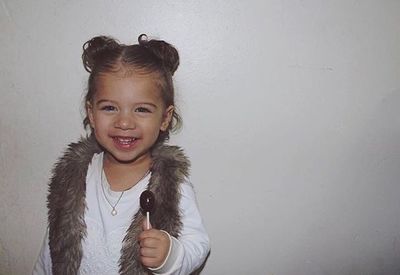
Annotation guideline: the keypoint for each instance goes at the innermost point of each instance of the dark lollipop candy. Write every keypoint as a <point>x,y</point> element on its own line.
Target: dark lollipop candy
<point>147,202</point>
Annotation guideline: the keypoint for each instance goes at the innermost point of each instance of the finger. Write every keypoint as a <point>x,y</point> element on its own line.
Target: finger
<point>153,234</point>
<point>150,262</point>
<point>150,257</point>
<point>148,252</point>
<point>145,234</point>
<point>149,243</point>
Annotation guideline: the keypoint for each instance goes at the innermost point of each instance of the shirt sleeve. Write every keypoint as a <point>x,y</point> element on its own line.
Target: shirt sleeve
<point>43,263</point>
<point>190,249</point>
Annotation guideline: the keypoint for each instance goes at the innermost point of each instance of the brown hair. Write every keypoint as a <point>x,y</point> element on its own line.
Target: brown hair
<point>103,54</point>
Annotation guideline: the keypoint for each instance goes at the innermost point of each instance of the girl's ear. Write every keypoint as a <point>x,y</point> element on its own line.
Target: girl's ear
<point>89,111</point>
<point>167,117</point>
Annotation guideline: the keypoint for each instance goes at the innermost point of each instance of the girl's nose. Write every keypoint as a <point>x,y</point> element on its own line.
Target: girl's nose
<point>125,122</point>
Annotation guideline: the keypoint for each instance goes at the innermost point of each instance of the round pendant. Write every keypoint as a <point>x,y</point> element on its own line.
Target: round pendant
<point>114,212</point>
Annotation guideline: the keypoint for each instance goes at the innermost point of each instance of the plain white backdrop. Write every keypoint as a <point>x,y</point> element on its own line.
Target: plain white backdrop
<point>291,119</point>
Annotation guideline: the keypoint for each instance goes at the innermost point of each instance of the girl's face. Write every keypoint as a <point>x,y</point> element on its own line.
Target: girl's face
<point>127,114</point>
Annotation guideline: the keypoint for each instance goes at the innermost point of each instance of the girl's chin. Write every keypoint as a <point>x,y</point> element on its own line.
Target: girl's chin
<point>126,158</point>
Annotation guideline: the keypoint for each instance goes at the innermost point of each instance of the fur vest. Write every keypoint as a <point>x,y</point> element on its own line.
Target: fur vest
<point>66,205</point>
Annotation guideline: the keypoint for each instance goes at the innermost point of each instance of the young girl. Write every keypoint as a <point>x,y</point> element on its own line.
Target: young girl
<point>95,222</point>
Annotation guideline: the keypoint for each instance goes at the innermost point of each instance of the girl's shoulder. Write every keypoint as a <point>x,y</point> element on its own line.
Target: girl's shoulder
<point>75,159</point>
<point>170,157</point>
<point>83,150</point>
<point>169,152</point>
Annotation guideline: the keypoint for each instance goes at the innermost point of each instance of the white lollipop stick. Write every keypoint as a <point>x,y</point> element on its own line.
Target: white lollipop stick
<point>148,220</point>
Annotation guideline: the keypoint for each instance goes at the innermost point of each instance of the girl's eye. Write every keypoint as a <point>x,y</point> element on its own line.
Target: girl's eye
<point>142,110</point>
<point>108,108</point>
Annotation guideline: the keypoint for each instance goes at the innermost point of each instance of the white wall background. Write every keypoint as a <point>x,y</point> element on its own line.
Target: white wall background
<point>292,122</point>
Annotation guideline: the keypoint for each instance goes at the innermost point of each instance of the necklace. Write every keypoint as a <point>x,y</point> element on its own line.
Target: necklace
<point>113,207</point>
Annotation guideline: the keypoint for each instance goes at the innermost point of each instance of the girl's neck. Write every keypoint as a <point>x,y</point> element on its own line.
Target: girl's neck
<point>123,176</point>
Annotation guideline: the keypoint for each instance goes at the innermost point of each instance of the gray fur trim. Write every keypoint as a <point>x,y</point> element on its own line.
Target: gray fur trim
<point>66,205</point>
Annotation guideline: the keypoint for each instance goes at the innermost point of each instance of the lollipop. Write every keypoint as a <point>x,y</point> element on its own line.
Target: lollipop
<point>147,201</point>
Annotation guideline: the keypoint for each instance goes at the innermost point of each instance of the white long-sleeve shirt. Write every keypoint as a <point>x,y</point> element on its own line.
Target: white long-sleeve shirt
<point>105,232</point>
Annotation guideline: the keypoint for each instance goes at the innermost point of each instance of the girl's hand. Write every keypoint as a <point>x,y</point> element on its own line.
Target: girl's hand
<point>154,247</point>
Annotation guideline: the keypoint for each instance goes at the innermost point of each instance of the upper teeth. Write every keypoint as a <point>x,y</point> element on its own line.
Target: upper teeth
<point>125,139</point>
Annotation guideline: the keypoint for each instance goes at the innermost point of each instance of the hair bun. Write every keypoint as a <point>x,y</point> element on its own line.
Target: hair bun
<point>93,48</point>
<point>163,51</point>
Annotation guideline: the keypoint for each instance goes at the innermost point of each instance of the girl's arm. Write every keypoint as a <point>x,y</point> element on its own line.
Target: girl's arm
<point>189,251</point>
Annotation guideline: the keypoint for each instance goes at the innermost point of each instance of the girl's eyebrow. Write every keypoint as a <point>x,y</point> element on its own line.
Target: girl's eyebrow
<point>104,100</point>
<point>147,103</point>
<point>114,102</point>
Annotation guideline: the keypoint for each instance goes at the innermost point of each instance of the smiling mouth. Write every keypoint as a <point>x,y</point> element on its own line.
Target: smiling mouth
<point>124,142</point>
